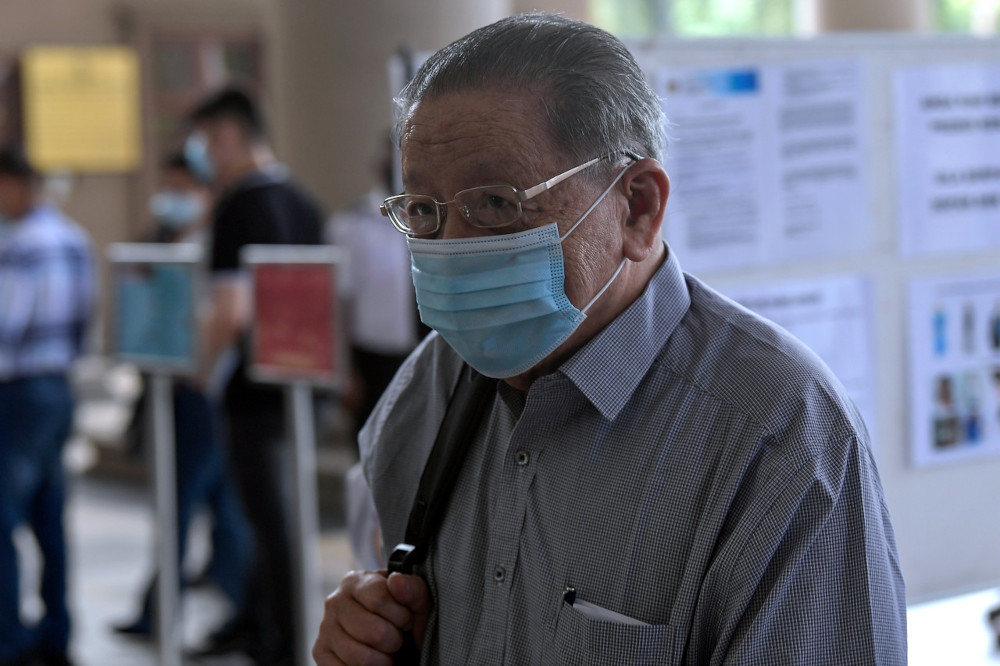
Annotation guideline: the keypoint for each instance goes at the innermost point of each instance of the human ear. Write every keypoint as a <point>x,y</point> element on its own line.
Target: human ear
<point>646,187</point>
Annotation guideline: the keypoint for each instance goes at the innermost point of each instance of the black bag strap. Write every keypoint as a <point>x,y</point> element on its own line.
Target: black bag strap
<point>472,393</point>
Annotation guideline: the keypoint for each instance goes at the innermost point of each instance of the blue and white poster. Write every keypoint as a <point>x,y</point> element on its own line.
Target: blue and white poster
<point>767,163</point>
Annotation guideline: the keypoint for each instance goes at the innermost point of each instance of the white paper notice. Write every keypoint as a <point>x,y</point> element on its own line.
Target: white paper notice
<point>767,163</point>
<point>948,157</point>
<point>833,317</point>
<point>954,368</point>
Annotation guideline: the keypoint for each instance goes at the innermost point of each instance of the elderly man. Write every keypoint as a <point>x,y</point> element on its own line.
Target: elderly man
<point>661,476</point>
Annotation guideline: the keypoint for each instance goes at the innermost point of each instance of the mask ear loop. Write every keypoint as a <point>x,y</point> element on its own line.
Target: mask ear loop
<point>594,205</point>
<point>605,287</point>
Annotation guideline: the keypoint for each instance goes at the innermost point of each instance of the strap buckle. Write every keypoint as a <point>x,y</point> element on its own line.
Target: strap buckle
<point>403,559</point>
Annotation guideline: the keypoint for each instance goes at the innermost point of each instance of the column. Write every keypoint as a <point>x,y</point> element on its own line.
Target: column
<point>328,86</point>
<point>864,15</point>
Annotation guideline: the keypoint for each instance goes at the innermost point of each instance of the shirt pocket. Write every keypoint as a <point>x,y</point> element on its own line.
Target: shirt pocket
<point>580,639</point>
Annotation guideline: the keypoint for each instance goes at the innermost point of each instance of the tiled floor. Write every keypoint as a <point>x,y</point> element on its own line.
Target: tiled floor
<point>110,532</point>
<point>111,535</point>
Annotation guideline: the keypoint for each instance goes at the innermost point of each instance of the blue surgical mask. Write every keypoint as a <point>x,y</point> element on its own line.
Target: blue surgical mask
<point>176,210</point>
<point>197,156</point>
<point>499,301</point>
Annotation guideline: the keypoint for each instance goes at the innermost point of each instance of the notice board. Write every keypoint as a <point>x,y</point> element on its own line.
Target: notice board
<point>155,291</point>
<point>296,334</point>
<point>82,108</point>
<point>822,148</point>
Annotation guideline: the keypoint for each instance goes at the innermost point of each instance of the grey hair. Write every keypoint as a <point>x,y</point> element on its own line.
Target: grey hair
<point>596,97</point>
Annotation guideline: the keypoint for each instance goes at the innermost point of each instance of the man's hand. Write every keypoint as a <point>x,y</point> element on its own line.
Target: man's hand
<point>364,619</point>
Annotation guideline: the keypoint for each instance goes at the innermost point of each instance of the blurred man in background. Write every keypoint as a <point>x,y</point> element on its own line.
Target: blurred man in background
<point>258,204</point>
<point>46,294</point>
<point>377,289</point>
<point>180,210</point>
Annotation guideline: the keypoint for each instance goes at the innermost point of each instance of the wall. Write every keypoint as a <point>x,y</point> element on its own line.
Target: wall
<point>108,205</point>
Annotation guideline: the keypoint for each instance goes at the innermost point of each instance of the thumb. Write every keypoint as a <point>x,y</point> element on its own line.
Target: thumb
<point>412,592</point>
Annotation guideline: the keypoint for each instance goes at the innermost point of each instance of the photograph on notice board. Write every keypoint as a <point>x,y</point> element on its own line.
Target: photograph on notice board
<point>155,315</point>
<point>954,368</point>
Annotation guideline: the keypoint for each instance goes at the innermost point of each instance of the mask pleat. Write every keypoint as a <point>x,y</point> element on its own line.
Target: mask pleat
<point>495,315</point>
<point>475,299</point>
<point>428,277</point>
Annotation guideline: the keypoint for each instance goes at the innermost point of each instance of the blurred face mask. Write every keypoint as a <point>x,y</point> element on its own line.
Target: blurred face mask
<point>500,301</point>
<point>196,154</point>
<point>176,210</point>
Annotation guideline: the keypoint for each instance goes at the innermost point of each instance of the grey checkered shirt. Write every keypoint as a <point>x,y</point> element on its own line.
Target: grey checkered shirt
<point>694,473</point>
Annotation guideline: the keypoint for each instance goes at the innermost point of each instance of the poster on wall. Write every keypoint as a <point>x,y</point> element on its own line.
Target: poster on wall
<point>296,334</point>
<point>154,305</point>
<point>767,163</point>
<point>954,340</point>
<point>833,317</point>
<point>82,108</point>
<point>947,134</point>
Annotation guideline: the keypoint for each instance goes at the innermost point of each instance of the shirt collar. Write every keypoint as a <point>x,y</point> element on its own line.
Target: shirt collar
<point>610,366</point>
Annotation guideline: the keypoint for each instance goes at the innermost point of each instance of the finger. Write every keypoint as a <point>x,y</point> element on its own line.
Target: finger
<point>410,591</point>
<point>352,652</point>
<point>370,629</point>
<point>372,592</point>
<point>323,649</point>
<point>324,656</point>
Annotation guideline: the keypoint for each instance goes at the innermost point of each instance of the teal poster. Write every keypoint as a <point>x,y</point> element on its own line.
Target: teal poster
<point>155,314</point>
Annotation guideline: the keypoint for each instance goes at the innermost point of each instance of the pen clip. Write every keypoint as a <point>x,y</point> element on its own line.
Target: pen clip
<point>569,595</point>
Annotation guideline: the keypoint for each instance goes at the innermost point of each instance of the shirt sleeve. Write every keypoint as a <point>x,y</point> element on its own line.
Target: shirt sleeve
<point>18,287</point>
<point>817,579</point>
<point>228,238</point>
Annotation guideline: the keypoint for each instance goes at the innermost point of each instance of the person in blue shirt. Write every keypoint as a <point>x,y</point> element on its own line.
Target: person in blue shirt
<point>46,294</point>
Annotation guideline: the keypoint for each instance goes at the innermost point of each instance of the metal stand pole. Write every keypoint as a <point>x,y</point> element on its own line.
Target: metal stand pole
<point>305,540</point>
<point>161,417</point>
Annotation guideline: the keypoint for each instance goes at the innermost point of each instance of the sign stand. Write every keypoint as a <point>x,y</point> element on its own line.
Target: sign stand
<point>296,341</point>
<point>305,530</point>
<point>155,293</point>
<point>161,420</point>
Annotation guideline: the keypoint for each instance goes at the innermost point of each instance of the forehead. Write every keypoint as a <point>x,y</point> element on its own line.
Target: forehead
<point>475,138</point>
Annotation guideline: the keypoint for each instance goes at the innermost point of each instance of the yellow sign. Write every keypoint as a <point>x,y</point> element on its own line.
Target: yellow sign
<point>82,108</point>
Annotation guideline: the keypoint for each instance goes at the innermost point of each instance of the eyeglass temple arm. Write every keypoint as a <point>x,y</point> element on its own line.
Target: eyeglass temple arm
<point>524,195</point>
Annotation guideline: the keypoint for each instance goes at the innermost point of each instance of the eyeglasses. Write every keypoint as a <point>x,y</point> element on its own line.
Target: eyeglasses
<point>486,207</point>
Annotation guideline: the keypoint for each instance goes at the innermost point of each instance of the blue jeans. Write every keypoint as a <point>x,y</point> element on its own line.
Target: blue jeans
<point>36,415</point>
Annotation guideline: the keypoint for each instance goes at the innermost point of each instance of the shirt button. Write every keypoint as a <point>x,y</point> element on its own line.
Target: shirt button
<point>523,458</point>
<point>499,574</point>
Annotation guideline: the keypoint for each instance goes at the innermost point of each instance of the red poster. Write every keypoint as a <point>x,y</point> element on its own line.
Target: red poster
<point>294,333</point>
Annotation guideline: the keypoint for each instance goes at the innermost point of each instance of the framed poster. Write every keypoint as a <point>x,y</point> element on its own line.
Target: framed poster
<point>948,157</point>
<point>296,331</point>
<point>155,290</point>
<point>954,336</point>
<point>82,108</point>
